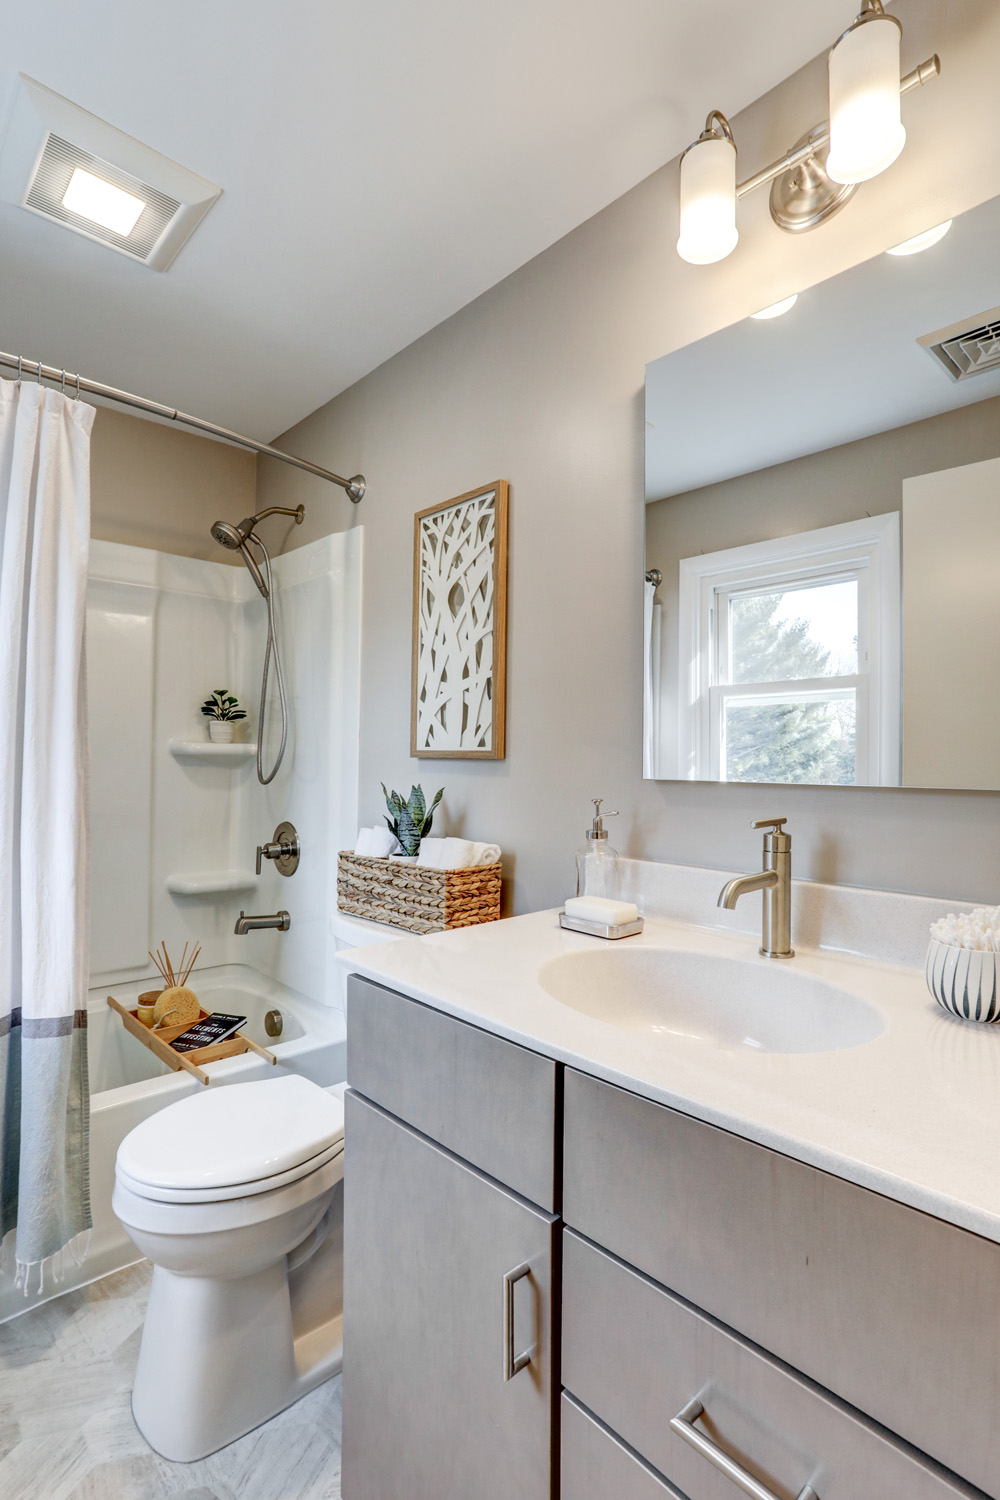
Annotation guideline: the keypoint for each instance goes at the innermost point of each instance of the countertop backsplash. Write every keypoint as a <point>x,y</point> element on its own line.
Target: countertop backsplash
<point>888,926</point>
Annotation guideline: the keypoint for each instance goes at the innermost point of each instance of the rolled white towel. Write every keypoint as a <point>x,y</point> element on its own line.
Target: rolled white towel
<point>456,854</point>
<point>377,843</point>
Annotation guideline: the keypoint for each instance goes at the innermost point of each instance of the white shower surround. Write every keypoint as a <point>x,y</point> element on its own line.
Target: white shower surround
<point>163,631</point>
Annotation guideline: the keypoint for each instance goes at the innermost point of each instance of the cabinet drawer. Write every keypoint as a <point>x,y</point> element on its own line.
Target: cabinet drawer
<point>487,1100</point>
<point>636,1356</point>
<point>595,1466</point>
<point>891,1309</point>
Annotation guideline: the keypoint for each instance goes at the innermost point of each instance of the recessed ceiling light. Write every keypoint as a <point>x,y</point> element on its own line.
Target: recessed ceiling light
<point>101,202</point>
<point>64,164</point>
<point>921,241</point>
<point>777,308</point>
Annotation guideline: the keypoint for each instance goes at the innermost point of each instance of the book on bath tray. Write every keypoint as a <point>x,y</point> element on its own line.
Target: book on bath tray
<point>214,1028</point>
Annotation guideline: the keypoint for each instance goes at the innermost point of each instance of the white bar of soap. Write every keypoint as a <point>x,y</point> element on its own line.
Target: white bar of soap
<point>601,909</point>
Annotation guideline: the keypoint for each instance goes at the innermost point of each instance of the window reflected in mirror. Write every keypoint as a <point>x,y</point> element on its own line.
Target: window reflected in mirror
<point>822,497</point>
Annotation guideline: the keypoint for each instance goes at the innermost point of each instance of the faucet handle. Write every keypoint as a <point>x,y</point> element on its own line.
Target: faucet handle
<point>773,825</point>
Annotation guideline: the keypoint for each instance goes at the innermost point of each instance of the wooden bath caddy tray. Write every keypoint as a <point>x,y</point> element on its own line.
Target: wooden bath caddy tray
<point>159,1041</point>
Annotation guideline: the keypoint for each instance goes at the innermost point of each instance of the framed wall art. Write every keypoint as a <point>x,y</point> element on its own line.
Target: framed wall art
<point>460,627</point>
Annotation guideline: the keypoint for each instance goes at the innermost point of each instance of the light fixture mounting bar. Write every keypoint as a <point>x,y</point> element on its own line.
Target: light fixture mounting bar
<point>819,136</point>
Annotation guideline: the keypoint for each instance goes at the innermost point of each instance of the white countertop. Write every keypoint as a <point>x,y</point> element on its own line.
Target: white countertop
<point>909,1114</point>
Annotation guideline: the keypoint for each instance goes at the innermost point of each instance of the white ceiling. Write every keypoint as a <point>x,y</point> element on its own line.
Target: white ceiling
<point>843,364</point>
<point>382,164</point>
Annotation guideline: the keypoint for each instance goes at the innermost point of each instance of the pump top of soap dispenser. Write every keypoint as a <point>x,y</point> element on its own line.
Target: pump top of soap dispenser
<point>597,829</point>
<point>597,866</point>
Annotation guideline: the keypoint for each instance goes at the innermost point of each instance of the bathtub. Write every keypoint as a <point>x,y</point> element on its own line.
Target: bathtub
<point>128,1083</point>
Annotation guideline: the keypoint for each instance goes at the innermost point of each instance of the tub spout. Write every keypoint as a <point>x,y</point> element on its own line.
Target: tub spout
<point>245,924</point>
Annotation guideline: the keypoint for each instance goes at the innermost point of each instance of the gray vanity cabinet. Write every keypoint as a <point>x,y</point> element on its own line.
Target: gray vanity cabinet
<point>714,1250</point>
<point>555,1287</point>
<point>450,1388</point>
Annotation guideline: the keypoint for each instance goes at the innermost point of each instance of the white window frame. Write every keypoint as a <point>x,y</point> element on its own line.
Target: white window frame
<point>868,550</point>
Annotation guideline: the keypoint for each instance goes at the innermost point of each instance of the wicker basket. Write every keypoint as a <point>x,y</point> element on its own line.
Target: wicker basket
<point>416,897</point>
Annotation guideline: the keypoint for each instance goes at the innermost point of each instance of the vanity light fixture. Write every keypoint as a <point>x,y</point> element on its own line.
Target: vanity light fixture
<point>776,309</point>
<point>821,172</point>
<point>708,195</point>
<point>921,241</point>
<point>866,132</point>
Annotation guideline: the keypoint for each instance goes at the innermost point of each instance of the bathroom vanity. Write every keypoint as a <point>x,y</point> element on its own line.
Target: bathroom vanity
<point>559,1283</point>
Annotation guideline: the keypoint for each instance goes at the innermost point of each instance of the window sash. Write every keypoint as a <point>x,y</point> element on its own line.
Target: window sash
<point>868,550</point>
<point>799,690</point>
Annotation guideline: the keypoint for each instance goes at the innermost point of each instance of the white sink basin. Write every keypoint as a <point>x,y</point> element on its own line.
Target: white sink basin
<point>765,1005</point>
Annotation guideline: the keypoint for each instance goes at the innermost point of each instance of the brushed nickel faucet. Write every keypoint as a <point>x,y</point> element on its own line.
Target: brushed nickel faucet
<point>245,924</point>
<point>775,883</point>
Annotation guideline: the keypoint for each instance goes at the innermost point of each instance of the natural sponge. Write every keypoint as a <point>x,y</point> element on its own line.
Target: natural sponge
<point>177,1006</point>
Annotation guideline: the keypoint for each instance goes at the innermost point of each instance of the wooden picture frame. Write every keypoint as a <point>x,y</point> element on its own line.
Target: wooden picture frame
<point>458,697</point>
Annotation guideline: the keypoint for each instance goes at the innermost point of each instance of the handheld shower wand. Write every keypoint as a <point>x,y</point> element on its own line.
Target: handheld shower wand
<point>240,539</point>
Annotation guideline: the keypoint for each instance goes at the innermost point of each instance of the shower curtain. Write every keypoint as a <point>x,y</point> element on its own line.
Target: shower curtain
<point>44,915</point>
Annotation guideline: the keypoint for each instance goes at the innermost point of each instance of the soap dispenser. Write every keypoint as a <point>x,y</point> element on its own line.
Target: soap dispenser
<point>598,871</point>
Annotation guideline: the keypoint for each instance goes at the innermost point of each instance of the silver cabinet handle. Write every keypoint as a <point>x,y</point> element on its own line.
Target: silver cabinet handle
<point>511,1366</point>
<point>683,1425</point>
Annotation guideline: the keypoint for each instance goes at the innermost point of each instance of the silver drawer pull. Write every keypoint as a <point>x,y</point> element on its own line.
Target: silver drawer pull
<point>683,1425</point>
<point>511,1366</point>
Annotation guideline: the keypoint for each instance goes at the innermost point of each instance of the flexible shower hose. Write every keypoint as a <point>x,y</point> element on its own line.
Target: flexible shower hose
<point>271,650</point>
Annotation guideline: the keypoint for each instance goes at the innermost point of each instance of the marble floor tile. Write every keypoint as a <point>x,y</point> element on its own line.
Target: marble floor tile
<point>66,1427</point>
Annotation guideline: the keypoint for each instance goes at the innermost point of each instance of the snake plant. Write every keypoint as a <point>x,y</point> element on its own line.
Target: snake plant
<point>410,821</point>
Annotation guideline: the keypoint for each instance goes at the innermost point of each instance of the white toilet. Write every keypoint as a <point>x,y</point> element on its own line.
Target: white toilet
<point>234,1194</point>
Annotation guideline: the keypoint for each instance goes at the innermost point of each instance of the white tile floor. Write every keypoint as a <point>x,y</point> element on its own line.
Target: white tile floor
<point>66,1428</point>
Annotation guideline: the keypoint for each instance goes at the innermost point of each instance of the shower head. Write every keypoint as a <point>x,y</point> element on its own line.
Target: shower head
<point>237,537</point>
<point>231,536</point>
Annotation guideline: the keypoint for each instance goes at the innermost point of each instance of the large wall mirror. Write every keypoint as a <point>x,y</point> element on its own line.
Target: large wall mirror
<point>822,597</point>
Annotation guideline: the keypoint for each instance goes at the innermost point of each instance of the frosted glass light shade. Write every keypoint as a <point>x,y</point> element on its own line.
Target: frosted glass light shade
<point>866,133</point>
<point>708,201</point>
<point>101,202</point>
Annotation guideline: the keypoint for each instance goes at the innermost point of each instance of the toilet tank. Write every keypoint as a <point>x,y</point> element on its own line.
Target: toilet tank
<point>355,932</point>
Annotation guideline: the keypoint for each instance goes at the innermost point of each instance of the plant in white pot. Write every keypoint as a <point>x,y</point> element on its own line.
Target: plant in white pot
<point>223,712</point>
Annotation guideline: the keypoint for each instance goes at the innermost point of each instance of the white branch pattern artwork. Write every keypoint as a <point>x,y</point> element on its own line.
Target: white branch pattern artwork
<point>454,696</point>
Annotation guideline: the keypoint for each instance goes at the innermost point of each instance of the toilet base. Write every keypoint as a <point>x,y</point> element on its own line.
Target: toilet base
<point>219,1356</point>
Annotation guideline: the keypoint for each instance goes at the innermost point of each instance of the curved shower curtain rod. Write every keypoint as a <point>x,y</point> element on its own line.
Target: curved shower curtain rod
<point>355,487</point>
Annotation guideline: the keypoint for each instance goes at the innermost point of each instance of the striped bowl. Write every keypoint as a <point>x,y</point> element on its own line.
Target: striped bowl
<point>964,981</point>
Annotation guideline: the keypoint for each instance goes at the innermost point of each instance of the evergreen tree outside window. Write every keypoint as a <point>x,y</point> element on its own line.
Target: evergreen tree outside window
<point>791,649</point>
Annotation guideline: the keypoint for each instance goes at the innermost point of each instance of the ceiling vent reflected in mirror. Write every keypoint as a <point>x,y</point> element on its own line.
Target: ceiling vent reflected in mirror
<point>970,350</point>
<point>66,165</point>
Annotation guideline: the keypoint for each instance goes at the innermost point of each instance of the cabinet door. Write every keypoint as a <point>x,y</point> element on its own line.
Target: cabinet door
<point>428,1243</point>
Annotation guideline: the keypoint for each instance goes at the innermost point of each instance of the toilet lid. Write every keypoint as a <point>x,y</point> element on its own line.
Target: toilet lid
<point>238,1134</point>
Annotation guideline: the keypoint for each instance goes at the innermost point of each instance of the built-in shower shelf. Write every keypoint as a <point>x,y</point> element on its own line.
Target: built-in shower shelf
<point>206,751</point>
<point>211,883</point>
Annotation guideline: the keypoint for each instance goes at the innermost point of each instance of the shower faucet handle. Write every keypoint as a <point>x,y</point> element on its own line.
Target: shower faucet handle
<point>284,849</point>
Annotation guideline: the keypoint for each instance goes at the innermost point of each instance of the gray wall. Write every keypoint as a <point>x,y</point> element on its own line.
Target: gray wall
<point>540,382</point>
